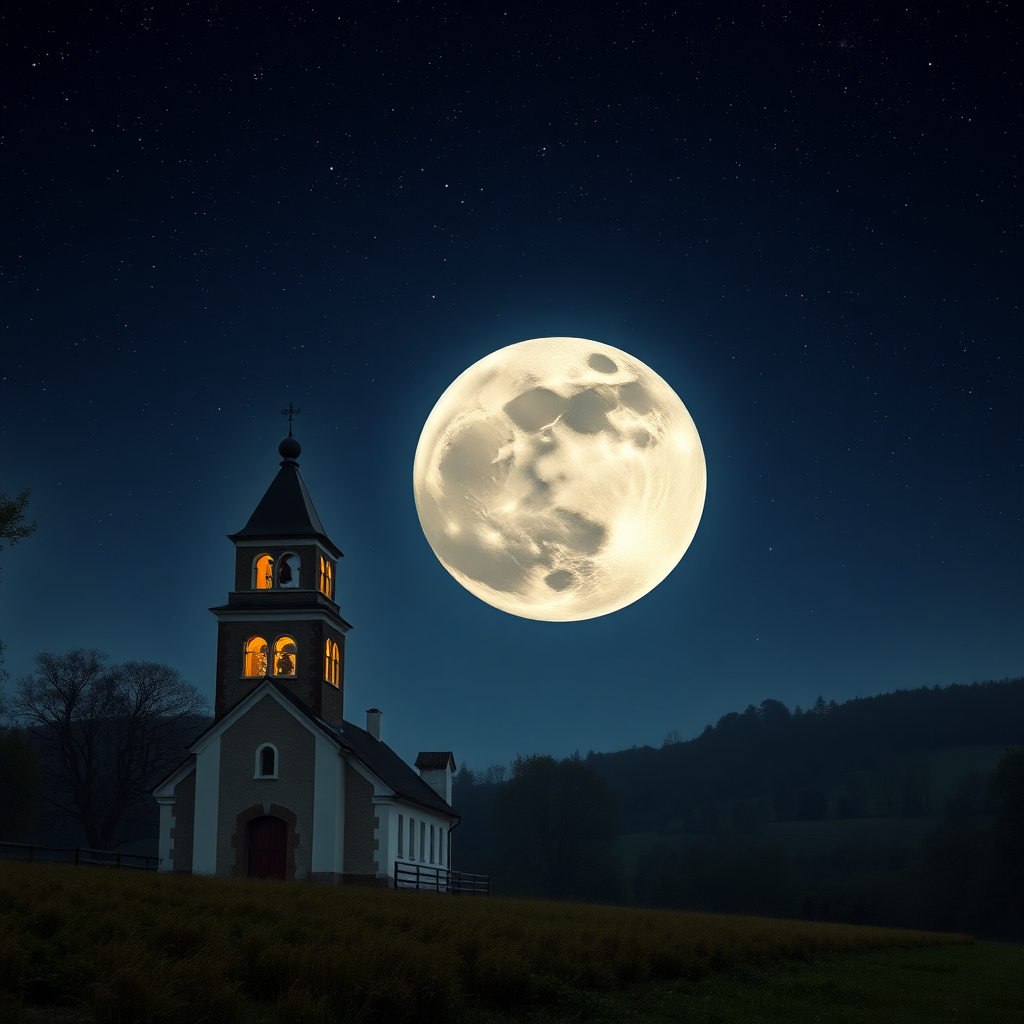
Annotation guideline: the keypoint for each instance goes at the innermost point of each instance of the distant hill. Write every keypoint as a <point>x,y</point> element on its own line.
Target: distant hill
<point>768,764</point>
<point>771,752</point>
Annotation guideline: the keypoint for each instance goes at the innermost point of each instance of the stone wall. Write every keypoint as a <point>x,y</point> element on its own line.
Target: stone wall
<point>360,822</point>
<point>266,722</point>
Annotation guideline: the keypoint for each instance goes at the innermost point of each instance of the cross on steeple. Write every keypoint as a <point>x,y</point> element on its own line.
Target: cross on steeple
<point>291,412</point>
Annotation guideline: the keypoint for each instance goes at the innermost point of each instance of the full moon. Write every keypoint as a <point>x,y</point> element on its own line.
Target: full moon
<point>559,479</point>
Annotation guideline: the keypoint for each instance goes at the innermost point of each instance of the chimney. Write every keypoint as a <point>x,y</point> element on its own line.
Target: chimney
<point>436,767</point>
<point>373,722</point>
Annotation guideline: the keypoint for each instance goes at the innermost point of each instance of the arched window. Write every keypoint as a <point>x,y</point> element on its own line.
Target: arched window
<point>263,573</point>
<point>256,657</point>
<point>326,577</point>
<point>288,571</point>
<point>284,656</point>
<point>266,761</point>
<point>332,663</point>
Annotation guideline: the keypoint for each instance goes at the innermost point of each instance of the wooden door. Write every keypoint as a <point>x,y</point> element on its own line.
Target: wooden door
<point>268,841</point>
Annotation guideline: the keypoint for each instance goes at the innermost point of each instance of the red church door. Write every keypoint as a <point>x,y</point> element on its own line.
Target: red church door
<point>268,840</point>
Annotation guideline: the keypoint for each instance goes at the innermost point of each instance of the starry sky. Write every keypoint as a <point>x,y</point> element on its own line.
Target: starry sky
<point>805,217</point>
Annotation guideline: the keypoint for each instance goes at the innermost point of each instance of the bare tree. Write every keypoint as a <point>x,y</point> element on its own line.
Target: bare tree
<point>107,734</point>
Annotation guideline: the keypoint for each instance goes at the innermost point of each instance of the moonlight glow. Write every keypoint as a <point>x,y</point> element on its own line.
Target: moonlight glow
<point>559,479</point>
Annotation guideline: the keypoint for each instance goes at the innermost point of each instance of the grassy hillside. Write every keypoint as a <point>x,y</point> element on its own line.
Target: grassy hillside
<point>120,946</point>
<point>977,984</point>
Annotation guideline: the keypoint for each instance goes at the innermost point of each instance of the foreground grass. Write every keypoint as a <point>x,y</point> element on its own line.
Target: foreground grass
<point>137,947</point>
<point>977,984</point>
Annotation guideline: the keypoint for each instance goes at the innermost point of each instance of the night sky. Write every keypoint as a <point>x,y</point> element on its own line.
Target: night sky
<point>805,218</point>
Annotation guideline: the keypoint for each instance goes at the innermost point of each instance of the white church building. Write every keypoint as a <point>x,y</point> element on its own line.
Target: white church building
<point>280,785</point>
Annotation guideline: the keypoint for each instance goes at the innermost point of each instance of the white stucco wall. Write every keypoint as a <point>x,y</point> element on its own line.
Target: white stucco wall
<point>328,854</point>
<point>164,841</point>
<point>419,815</point>
<point>204,840</point>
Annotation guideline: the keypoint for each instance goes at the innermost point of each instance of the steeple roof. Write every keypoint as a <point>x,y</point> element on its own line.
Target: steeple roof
<point>286,511</point>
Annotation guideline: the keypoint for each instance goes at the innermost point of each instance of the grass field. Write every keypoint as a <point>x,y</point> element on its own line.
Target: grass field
<point>120,947</point>
<point>975,984</point>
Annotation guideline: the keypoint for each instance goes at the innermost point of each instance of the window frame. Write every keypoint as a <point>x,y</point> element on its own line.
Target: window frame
<point>332,663</point>
<point>272,664</point>
<point>278,562</point>
<point>257,773</point>
<point>245,657</point>
<point>326,580</point>
<point>256,568</point>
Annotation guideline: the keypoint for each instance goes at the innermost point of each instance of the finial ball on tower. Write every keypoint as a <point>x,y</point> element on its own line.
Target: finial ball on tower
<point>289,448</point>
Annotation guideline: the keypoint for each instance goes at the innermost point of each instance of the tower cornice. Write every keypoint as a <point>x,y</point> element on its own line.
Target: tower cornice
<point>297,613</point>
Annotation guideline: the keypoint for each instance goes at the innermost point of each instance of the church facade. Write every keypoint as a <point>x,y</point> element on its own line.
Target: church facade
<point>281,785</point>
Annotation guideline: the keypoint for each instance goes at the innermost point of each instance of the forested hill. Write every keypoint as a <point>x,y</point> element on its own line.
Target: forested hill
<point>770,751</point>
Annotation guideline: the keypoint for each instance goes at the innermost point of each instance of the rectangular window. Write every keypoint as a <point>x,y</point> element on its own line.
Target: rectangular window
<point>400,823</point>
<point>412,839</point>
<point>431,844</point>
<point>444,852</point>
<point>423,839</point>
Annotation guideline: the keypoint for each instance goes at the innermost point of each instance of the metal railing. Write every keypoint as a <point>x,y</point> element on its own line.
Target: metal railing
<point>427,878</point>
<point>79,855</point>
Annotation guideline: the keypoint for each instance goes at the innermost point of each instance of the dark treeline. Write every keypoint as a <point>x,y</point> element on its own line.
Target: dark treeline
<point>713,801</point>
<point>769,751</point>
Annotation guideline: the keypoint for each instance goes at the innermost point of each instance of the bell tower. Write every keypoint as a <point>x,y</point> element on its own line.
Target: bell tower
<point>281,621</point>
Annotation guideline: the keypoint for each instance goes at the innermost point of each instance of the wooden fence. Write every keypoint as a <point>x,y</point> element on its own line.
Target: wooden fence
<point>78,855</point>
<point>434,879</point>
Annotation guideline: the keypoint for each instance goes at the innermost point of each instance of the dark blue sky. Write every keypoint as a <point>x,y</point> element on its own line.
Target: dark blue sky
<point>805,218</point>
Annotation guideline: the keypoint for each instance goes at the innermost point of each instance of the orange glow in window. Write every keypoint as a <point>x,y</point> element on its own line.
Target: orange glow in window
<point>264,572</point>
<point>256,657</point>
<point>326,578</point>
<point>332,663</point>
<point>284,656</point>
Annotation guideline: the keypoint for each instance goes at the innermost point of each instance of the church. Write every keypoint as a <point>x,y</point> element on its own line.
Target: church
<point>281,785</point>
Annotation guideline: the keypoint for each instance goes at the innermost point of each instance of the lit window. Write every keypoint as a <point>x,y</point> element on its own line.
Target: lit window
<point>266,761</point>
<point>401,822</point>
<point>326,578</point>
<point>256,657</point>
<point>284,656</point>
<point>288,571</point>
<point>264,572</point>
<point>332,663</point>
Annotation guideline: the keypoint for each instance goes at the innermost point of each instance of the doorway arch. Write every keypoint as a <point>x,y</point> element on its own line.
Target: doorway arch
<point>267,841</point>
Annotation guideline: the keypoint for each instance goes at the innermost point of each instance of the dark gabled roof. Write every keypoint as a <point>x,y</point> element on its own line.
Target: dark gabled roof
<point>433,760</point>
<point>286,511</point>
<point>376,755</point>
<point>390,768</point>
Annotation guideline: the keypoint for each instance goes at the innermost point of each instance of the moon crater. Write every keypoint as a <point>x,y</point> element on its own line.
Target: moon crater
<point>559,479</point>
